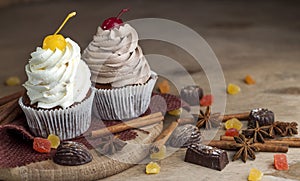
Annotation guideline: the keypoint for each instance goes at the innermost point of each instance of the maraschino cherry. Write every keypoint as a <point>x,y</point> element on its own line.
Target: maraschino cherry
<point>113,21</point>
<point>57,40</point>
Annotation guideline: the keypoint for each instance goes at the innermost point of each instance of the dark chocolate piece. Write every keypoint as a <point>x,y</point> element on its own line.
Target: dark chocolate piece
<point>72,153</point>
<point>184,136</point>
<point>191,94</point>
<point>263,116</point>
<point>207,156</point>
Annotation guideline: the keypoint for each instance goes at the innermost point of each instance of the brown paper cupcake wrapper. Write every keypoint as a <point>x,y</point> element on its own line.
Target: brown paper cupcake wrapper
<point>66,123</point>
<point>124,103</point>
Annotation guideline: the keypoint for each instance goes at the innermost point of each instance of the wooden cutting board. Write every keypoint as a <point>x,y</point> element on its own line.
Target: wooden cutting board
<point>101,166</point>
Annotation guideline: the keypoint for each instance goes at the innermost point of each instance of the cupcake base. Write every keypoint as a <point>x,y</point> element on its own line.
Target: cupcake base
<point>66,123</point>
<point>123,103</point>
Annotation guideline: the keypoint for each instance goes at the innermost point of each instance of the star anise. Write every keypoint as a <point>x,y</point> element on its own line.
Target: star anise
<point>274,129</point>
<point>207,119</point>
<point>110,145</point>
<point>289,128</point>
<point>258,133</point>
<point>246,148</point>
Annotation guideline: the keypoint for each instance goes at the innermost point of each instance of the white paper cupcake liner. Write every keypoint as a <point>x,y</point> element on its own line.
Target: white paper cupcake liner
<point>66,123</point>
<point>123,103</point>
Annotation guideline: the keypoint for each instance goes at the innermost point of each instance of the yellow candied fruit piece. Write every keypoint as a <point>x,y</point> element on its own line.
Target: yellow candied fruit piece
<point>164,87</point>
<point>233,89</point>
<point>175,112</point>
<point>13,81</point>
<point>54,140</point>
<point>255,175</point>
<point>233,123</point>
<point>249,80</point>
<point>152,168</point>
<point>159,155</point>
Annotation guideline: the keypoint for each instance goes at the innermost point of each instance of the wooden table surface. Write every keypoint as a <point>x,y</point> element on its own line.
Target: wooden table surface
<point>257,38</point>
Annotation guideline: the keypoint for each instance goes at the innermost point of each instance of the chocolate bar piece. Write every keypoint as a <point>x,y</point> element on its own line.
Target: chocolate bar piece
<point>207,156</point>
<point>191,94</point>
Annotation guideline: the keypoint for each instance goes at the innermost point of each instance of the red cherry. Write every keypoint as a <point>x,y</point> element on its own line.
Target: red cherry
<point>113,21</point>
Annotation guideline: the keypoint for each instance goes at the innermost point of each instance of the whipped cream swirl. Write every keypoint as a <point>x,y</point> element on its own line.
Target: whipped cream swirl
<point>114,57</point>
<point>57,78</point>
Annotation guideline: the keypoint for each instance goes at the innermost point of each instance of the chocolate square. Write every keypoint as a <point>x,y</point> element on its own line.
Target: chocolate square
<point>191,94</point>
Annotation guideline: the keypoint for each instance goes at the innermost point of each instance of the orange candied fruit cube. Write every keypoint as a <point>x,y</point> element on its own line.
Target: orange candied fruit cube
<point>249,80</point>
<point>280,162</point>
<point>164,87</point>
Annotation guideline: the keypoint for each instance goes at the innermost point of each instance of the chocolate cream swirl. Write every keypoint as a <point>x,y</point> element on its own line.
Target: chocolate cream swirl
<point>114,57</point>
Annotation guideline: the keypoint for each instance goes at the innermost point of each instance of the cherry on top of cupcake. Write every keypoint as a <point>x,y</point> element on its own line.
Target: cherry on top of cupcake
<point>113,22</point>
<point>57,40</point>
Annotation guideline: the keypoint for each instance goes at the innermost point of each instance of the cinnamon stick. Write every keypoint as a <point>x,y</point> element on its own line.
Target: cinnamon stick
<point>182,121</point>
<point>15,113</point>
<point>232,145</point>
<point>290,142</point>
<point>8,98</point>
<point>290,139</point>
<point>163,137</point>
<point>240,116</point>
<point>7,109</point>
<point>135,123</point>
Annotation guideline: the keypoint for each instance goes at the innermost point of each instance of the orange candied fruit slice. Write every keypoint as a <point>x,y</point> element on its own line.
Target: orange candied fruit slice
<point>41,145</point>
<point>164,87</point>
<point>249,80</point>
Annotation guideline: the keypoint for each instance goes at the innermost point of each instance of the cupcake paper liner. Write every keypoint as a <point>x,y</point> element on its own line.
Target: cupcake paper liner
<point>123,103</point>
<point>66,123</point>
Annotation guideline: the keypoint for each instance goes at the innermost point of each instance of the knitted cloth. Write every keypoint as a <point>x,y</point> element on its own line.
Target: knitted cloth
<point>16,140</point>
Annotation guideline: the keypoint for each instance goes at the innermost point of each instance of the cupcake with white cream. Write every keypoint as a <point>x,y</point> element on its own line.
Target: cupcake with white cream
<point>59,95</point>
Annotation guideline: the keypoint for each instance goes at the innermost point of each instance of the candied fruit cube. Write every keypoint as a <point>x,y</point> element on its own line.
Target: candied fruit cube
<point>175,112</point>
<point>41,145</point>
<point>164,87</point>
<point>280,162</point>
<point>152,168</point>
<point>249,80</point>
<point>54,140</point>
<point>233,89</point>
<point>233,123</point>
<point>232,132</point>
<point>13,81</point>
<point>159,155</point>
<point>207,100</point>
<point>255,175</point>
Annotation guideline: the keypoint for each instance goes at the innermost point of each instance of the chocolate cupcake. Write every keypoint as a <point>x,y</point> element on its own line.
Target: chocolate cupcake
<point>59,90</point>
<point>120,72</point>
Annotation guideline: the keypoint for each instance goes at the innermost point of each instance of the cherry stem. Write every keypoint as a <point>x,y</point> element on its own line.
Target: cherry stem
<point>122,12</point>
<point>64,22</point>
